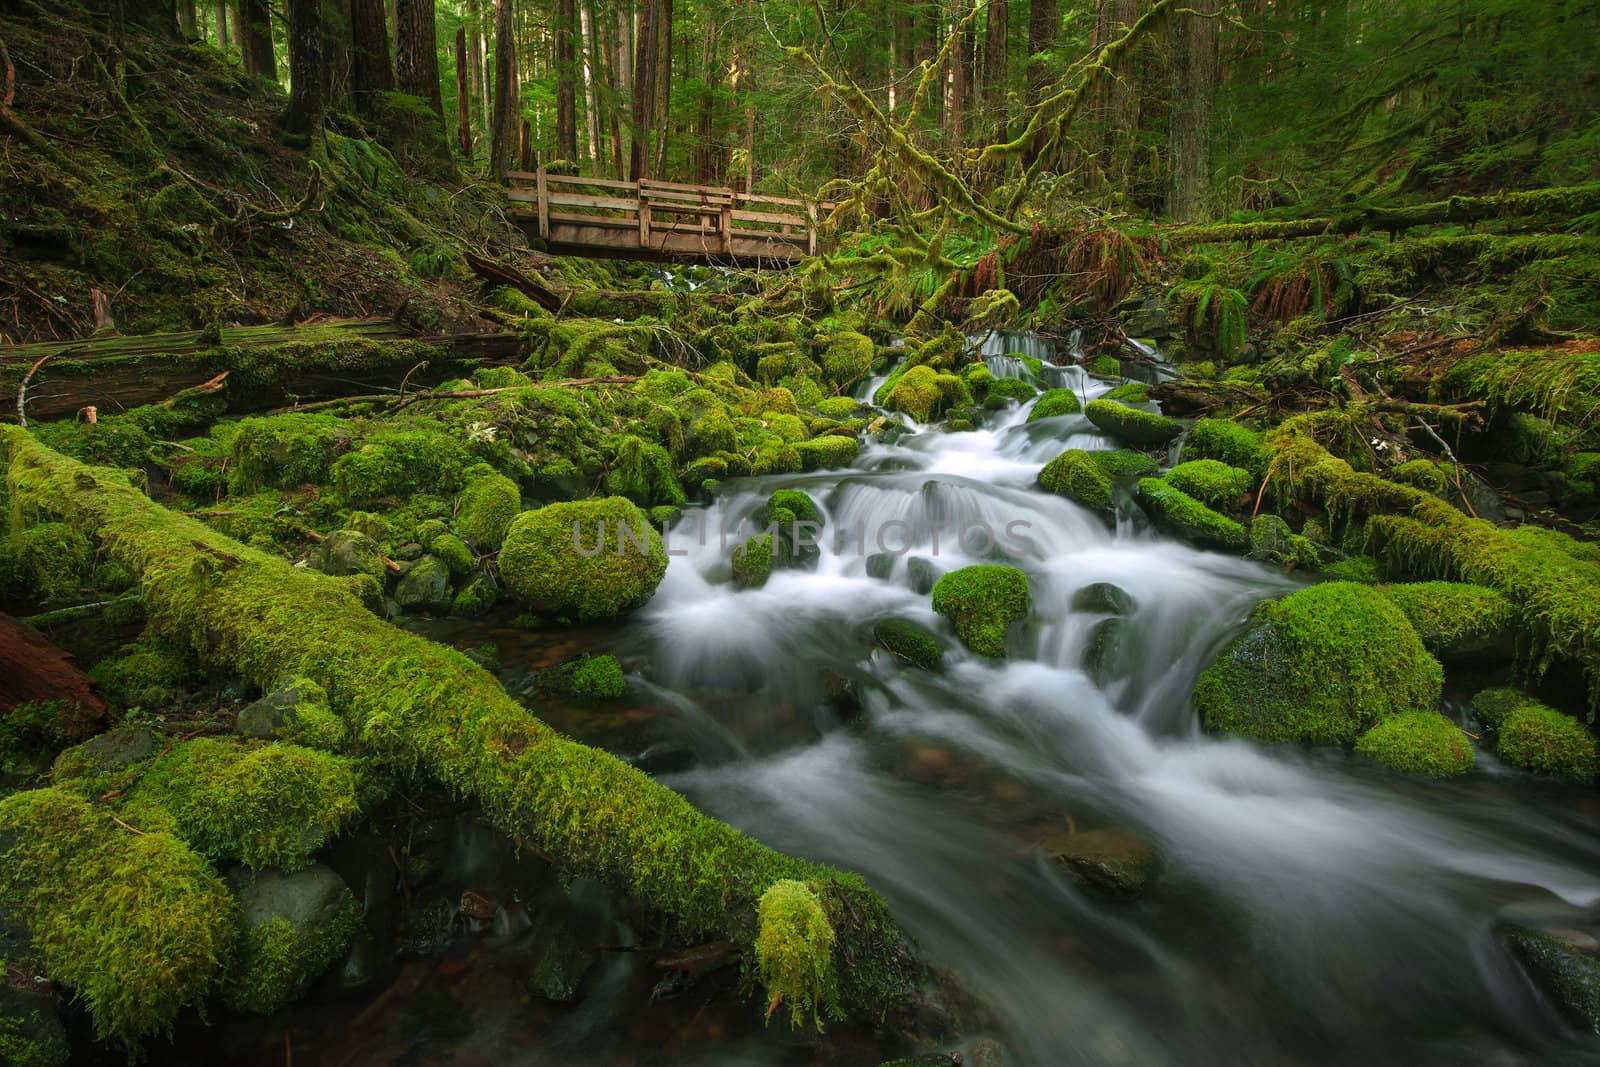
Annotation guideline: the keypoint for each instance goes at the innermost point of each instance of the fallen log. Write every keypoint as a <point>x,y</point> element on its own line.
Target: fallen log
<point>422,708</point>
<point>36,671</point>
<point>534,287</point>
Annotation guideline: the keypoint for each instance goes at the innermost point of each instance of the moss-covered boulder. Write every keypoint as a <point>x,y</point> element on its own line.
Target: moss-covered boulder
<point>425,586</point>
<point>829,451</point>
<point>50,560</point>
<point>1076,476</point>
<point>910,642</point>
<point>923,393</point>
<point>1491,706</point>
<point>350,552</point>
<point>1323,665</point>
<point>1182,516</point>
<point>1053,402</point>
<point>1211,481</point>
<point>752,562</point>
<point>136,924</point>
<point>1125,463</point>
<point>296,709</point>
<point>1569,978</point>
<point>847,358</point>
<point>1227,442</point>
<point>599,678</point>
<point>1419,742</point>
<point>1003,391</point>
<point>1456,620</point>
<point>981,601</point>
<point>1131,425</point>
<point>395,462</point>
<point>147,673</point>
<point>488,504</point>
<point>590,558</point>
<point>1542,740</point>
<point>1272,541</point>
<point>293,927</point>
<point>1128,393</point>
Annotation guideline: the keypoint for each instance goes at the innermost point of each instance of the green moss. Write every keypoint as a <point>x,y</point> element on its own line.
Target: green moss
<point>1211,481</point>
<point>488,504</point>
<point>149,673</point>
<point>1131,425</point>
<point>396,462</point>
<point>136,924</point>
<point>1419,742</point>
<point>1544,741</point>
<point>796,501</point>
<point>774,455</point>
<point>51,560</point>
<point>847,359</point>
<point>1003,389</point>
<point>1491,706</point>
<point>1569,977</point>
<point>1181,515</point>
<point>828,452</point>
<point>978,378</point>
<point>1132,393</point>
<point>643,473</point>
<point>1323,665</point>
<point>476,598</point>
<point>1227,442</point>
<point>1453,618</point>
<point>599,678</point>
<point>910,642</point>
<point>752,562</point>
<point>837,407</point>
<point>30,1033</point>
<point>1363,569</point>
<point>924,393</point>
<point>981,602</point>
<point>262,804</point>
<point>1125,463</point>
<point>543,567</point>
<point>794,951</point>
<point>1106,366</point>
<point>283,451</point>
<point>1053,402</point>
<point>1074,475</point>
<point>502,378</point>
<point>454,553</point>
<point>278,958</point>
<point>1424,474</point>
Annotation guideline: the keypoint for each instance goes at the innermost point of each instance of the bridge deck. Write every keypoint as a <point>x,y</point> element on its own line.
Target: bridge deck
<point>657,220</point>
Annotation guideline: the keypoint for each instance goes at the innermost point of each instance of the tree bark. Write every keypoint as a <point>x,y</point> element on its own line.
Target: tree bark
<point>307,71</point>
<point>222,27</point>
<point>1194,76</point>
<point>994,61</point>
<point>369,48</point>
<point>591,55</point>
<point>416,58</point>
<point>337,59</point>
<point>663,109</point>
<point>463,95</point>
<point>644,91</point>
<point>255,37</point>
<point>527,158</point>
<point>188,19</point>
<point>959,69</point>
<point>566,82</point>
<point>1043,21</point>
<point>506,123</point>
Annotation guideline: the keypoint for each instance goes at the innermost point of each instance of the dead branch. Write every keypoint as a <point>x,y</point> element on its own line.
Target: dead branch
<point>22,390</point>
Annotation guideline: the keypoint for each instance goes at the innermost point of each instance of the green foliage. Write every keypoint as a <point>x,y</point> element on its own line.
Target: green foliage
<point>1053,402</point>
<point>282,451</point>
<point>1324,665</point>
<point>1419,742</point>
<point>542,566</point>
<point>794,951</point>
<point>837,407</point>
<point>1002,389</point>
<point>599,678</point>
<point>1211,481</point>
<point>50,560</point>
<point>1183,516</point>
<point>1543,740</point>
<point>488,504</point>
<point>643,473</point>
<point>910,643</point>
<point>981,601</point>
<point>1217,315</point>
<point>1131,425</point>
<point>1491,706</point>
<point>1076,476</point>
<point>135,923</point>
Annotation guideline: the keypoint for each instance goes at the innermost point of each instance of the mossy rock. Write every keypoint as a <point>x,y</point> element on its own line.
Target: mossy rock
<point>425,586</point>
<point>1112,861</point>
<point>589,558</point>
<point>1363,569</point>
<point>1323,665</point>
<point>50,560</point>
<point>1002,391</point>
<point>1456,620</point>
<point>296,710</point>
<point>1131,393</point>
<point>795,501</point>
<point>982,601</point>
<point>752,562</point>
<point>1182,516</point>
<point>488,504</point>
<point>837,407</point>
<point>847,359</point>
<point>350,552</point>
<point>150,672</point>
<point>1105,366</point>
<point>1272,541</point>
<point>453,552</point>
<point>284,451</point>
<point>1419,742</point>
<point>1125,463</point>
<point>1054,402</point>
<point>642,472</point>
<point>1131,425</point>
<point>293,927</point>
<point>1076,476</point>
<point>475,599</point>
<point>599,678</point>
<point>924,393</point>
<point>1227,442</point>
<point>1569,978</point>
<point>1542,740</point>
<point>396,462</point>
<point>910,642</point>
<point>1211,481</point>
<point>828,452</point>
<point>1491,706</point>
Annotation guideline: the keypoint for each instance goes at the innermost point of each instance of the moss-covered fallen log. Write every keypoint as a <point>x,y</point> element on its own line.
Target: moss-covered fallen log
<point>1552,208</point>
<point>424,708</point>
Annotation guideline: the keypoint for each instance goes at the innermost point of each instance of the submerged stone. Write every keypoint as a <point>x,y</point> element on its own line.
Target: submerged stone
<point>560,962</point>
<point>1110,860</point>
<point>1569,978</point>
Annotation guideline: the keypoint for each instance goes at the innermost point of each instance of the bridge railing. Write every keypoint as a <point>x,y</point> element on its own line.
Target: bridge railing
<point>673,217</point>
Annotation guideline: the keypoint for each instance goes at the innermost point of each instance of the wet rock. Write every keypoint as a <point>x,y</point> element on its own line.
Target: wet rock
<point>430,927</point>
<point>265,717</point>
<point>880,565</point>
<point>1150,319</point>
<point>560,962</point>
<point>31,1034</point>
<point>350,552</point>
<point>121,747</point>
<point>910,643</point>
<point>1110,860</point>
<point>1102,598</point>
<point>840,693</point>
<point>1102,657</point>
<point>922,574</point>
<point>1570,979</point>
<point>294,927</point>
<point>409,552</point>
<point>426,586</point>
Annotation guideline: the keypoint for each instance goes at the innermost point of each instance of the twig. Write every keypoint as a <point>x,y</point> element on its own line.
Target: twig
<point>125,826</point>
<point>22,390</point>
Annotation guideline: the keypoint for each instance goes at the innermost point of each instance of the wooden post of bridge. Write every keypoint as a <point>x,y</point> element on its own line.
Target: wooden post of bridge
<point>811,228</point>
<point>644,215</point>
<point>543,193</point>
<point>725,225</point>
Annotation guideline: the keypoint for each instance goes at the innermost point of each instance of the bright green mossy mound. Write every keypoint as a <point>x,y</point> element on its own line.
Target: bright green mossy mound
<point>1076,476</point>
<point>1128,393</point>
<point>148,673</point>
<point>910,642</point>
<point>1125,463</point>
<point>1183,516</point>
<point>1003,389</point>
<point>262,804</point>
<point>1492,706</point>
<point>981,601</point>
<point>1227,442</point>
<point>752,562</point>
<point>847,359</point>
<point>1542,740</point>
<point>283,451</point>
<point>829,451</point>
<point>1136,427</point>
<point>794,951</point>
<point>394,462</point>
<point>137,925</point>
<point>488,504</point>
<point>923,393</point>
<point>837,407</point>
<point>1455,619</point>
<point>1323,665</point>
<point>545,566</point>
<point>290,936</point>
<point>1211,481</point>
<point>795,501</point>
<point>599,678</point>
<point>1419,742</point>
<point>50,559</point>
<point>1053,402</point>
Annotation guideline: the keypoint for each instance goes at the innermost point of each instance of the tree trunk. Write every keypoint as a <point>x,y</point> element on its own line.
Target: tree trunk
<point>506,124</point>
<point>480,67</point>
<point>994,61</point>
<point>644,90</point>
<point>255,37</point>
<point>591,109</point>
<point>307,72</point>
<point>1043,21</point>
<point>663,108</point>
<point>566,61</point>
<point>222,27</point>
<point>463,95</point>
<point>1194,76</point>
<point>337,59</point>
<point>527,159</point>
<point>416,58</point>
<point>958,76</point>
<point>188,19</point>
<point>369,48</point>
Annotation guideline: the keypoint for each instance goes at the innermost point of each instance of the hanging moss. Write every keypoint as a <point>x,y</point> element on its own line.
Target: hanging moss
<point>794,951</point>
<point>1078,478</point>
<point>982,601</point>
<point>1323,665</point>
<point>543,567</point>
<point>1419,742</point>
<point>1455,619</point>
<point>50,559</point>
<point>1131,425</point>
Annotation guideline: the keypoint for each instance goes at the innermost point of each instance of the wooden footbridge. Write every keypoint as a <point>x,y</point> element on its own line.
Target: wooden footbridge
<point>663,221</point>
